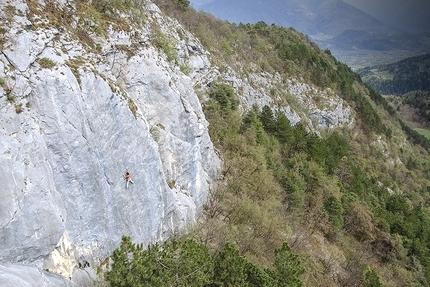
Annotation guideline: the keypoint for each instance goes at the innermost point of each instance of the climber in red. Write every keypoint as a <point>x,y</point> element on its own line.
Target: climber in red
<point>127,177</point>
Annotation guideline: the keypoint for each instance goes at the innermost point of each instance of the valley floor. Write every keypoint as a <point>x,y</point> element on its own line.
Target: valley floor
<point>357,59</point>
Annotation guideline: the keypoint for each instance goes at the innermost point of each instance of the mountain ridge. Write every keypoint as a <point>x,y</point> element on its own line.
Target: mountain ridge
<point>327,23</point>
<point>309,17</point>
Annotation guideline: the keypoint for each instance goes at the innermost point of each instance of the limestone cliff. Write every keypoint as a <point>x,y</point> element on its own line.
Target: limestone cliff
<point>79,105</point>
<point>72,121</point>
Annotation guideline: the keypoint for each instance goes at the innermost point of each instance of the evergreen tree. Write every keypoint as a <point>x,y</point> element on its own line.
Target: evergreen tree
<point>299,135</point>
<point>333,207</point>
<point>371,279</point>
<point>229,267</point>
<point>283,132</point>
<point>268,120</point>
<point>120,268</point>
<point>257,277</point>
<point>194,266</point>
<point>251,121</point>
<point>224,95</point>
<point>288,267</point>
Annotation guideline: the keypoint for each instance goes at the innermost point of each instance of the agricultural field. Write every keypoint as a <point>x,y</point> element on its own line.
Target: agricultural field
<point>424,132</point>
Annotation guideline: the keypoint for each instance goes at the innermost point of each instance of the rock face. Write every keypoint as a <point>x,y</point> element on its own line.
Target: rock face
<point>75,115</point>
<point>71,123</point>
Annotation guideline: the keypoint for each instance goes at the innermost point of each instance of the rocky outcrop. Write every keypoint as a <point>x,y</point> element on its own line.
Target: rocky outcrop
<point>317,109</point>
<point>75,114</point>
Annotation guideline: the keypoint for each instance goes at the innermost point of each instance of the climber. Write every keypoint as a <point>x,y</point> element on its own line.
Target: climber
<point>127,177</point>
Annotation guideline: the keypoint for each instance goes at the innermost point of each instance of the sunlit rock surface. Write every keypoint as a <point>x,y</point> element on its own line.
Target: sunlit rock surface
<point>69,132</point>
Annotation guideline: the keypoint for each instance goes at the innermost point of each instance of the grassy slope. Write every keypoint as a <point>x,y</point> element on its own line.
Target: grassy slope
<point>424,132</point>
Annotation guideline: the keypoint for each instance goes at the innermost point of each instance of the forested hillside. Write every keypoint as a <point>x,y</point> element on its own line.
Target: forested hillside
<point>419,100</point>
<point>294,207</point>
<point>413,108</point>
<point>411,74</point>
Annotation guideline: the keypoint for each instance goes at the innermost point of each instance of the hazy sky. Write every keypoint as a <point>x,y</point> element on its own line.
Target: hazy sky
<point>406,14</point>
<point>403,14</point>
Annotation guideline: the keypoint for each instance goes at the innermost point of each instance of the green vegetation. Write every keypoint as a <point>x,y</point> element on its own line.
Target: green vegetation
<point>424,132</point>
<point>419,100</point>
<point>46,63</point>
<point>2,37</point>
<point>182,4</point>
<point>75,64</point>
<point>171,183</point>
<point>93,19</point>
<point>185,69</point>
<point>162,42</point>
<point>2,83</point>
<point>260,47</point>
<point>371,279</point>
<point>189,263</point>
<point>404,76</point>
<point>277,173</point>
<point>414,109</point>
<point>132,106</point>
<point>10,98</point>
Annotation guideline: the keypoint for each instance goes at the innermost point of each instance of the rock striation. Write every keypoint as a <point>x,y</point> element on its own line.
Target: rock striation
<point>77,112</point>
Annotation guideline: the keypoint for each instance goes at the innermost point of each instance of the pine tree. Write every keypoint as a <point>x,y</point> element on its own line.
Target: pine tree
<point>268,120</point>
<point>121,264</point>
<point>288,267</point>
<point>230,267</point>
<point>371,279</point>
<point>284,131</point>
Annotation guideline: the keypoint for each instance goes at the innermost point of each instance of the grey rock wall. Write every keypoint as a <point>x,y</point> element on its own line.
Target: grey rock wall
<point>69,132</point>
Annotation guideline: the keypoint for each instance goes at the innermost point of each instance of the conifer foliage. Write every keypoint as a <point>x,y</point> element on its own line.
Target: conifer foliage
<point>189,263</point>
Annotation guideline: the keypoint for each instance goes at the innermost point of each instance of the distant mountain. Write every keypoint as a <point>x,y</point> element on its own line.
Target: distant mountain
<point>404,76</point>
<point>332,24</point>
<point>311,17</point>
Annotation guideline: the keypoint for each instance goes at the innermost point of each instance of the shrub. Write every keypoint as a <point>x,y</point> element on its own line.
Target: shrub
<point>186,69</point>
<point>18,108</point>
<point>182,4</point>
<point>224,95</point>
<point>371,279</point>
<point>46,63</point>
<point>10,98</point>
<point>162,42</point>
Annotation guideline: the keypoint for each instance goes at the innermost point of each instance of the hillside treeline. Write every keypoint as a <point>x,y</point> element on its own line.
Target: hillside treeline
<point>407,75</point>
<point>189,263</point>
<point>419,100</point>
